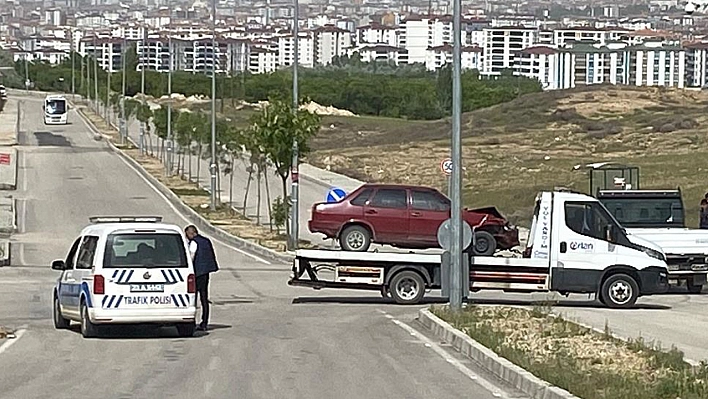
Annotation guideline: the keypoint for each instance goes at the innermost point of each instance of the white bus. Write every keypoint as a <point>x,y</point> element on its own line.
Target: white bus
<point>56,110</point>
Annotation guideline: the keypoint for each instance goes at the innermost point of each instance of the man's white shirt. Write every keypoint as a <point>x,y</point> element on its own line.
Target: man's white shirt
<point>192,248</point>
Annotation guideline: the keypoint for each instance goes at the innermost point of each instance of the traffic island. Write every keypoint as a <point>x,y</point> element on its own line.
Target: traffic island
<point>546,356</point>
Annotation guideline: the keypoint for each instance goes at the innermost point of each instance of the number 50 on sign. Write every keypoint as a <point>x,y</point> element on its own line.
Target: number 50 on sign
<point>446,166</point>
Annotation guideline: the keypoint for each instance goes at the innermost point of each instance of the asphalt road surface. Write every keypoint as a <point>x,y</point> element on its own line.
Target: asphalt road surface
<point>267,339</point>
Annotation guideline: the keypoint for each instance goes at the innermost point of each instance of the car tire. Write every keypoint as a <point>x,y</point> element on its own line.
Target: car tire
<point>484,244</point>
<point>186,330</point>
<point>60,323</point>
<point>619,291</point>
<point>88,329</point>
<point>693,288</point>
<point>407,287</point>
<point>355,238</point>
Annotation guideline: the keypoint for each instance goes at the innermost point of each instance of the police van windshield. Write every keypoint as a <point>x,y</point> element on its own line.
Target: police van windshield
<point>145,251</point>
<point>56,107</point>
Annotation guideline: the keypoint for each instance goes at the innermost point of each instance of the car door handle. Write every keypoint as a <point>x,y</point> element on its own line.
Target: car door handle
<point>416,214</point>
<point>371,212</point>
<point>564,247</point>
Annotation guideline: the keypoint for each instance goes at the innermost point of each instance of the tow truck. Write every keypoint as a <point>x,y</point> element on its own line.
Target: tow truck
<point>575,246</point>
<point>654,215</point>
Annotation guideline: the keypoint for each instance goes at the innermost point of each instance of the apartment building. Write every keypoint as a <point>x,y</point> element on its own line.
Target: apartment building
<point>106,50</point>
<point>697,64</point>
<point>588,34</point>
<point>262,60</point>
<point>380,53</point>
<point>656,64</point>
<point>328,42</point>
<point>440,56</point>
<point>538,62</point>
<point>501,45</point>
<point>376,34</point>
<point>286,50</point>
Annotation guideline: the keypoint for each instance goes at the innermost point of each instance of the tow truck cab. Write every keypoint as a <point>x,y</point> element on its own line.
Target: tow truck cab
<point>575,246</point>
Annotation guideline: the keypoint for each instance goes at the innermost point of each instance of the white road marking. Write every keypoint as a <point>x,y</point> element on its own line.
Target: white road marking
<point>174,209</point>
<point>428,343</point>
<point>11,341</point>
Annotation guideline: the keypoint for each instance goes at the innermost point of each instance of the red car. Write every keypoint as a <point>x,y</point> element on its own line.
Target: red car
<point>407,217</point>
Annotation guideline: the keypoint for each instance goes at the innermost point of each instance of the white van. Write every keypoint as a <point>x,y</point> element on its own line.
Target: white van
<point>126,270</point>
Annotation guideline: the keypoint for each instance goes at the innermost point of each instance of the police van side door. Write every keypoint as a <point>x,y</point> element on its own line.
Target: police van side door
<point>66,289</point>
<point>83,268</point>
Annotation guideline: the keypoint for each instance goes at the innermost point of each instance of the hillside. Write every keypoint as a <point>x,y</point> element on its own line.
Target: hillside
<point>512,150</point>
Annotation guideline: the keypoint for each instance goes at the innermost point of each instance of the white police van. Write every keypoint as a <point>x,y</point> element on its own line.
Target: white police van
<point>126,270</point>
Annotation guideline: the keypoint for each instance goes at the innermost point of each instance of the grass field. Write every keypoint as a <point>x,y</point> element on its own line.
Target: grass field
<point>513,150</point>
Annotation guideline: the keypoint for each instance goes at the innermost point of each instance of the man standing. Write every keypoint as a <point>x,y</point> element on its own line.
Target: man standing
<point>204,260</point>
<point>703,221</point>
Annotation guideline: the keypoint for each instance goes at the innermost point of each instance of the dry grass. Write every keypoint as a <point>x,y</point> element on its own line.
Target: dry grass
<point>196,198</point>
<point>586,363</point>
<point>513,150</point>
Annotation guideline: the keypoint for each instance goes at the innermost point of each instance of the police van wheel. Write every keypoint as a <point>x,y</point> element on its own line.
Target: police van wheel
<point>619,291</point>
<point>186,329</point>
<point>88,329</point>
<point>59,321</point>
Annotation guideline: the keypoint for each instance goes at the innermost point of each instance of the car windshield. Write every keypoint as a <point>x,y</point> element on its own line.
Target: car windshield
<point>145,250</point>
<point>56,107</point>
<point>646,212</point>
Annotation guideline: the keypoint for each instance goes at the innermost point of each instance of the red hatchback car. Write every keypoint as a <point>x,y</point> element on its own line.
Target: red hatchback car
<point>407,217</point>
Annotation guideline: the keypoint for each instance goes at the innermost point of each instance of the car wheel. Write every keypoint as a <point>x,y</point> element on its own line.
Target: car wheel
<point>355,238</point>
<point>60,322</point>
<point>88,329</point>
<point>186,329</point>
<point>619,291</point>
<point>484,244</point>
<point>407,287</point>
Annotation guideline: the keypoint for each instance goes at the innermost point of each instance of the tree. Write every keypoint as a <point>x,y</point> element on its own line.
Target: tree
<point>276,127</point>
<point>143,114</point>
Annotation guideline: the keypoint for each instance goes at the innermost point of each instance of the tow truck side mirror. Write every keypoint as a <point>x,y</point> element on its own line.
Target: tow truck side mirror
<point>58,265</point>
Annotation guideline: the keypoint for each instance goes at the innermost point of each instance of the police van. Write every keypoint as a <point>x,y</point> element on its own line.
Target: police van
<point>126,270</point>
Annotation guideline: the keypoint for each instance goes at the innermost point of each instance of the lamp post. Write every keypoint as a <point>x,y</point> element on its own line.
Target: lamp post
<point>295,167</point>
<point>212,167</point>
<point>168,160</point>
<point>142,86</point>
<point>73,78</point>
<point>456,287</point>
<point>123,123</point>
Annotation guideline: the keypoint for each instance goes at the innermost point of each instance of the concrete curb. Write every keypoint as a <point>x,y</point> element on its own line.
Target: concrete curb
<point>201,222</point>
<point>507,371</point>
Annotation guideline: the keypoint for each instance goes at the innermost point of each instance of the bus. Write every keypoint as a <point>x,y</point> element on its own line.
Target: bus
<point>55,110</point>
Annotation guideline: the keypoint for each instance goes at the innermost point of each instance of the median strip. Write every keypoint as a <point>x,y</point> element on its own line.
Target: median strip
<point>577,359</point>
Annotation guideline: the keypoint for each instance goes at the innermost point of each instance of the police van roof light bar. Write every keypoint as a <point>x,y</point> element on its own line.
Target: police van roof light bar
<point>125,219</point>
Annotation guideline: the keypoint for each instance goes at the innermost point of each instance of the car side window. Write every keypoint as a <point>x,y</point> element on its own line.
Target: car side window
<point>69,262</point>
<point>587,219</point>
<point>361,198</point>
<point>428,201</point>
<point>390,198</point>
<point>87,252</point>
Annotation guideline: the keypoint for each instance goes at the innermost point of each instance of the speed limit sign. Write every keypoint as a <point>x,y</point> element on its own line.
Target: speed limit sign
<point>446,166</point>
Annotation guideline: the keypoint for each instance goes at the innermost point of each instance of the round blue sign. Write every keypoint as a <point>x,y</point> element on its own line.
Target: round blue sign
<point>336,195</point>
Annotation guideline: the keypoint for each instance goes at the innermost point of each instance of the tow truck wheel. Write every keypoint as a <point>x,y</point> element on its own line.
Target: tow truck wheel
<point>88,329</point>
<point>693,288</point>
<point>407,287</point>
<point>59,321</point>
<point>619,291</point>
<point>355,238</point>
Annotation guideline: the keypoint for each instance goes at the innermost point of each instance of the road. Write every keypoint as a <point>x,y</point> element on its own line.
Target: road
<point>267,339</point>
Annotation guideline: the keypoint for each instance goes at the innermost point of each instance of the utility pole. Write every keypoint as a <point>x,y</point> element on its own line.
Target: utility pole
<point>456,288</point>
<point>212,167</point>
<point>107,108</point>
<point>295,167</point>
<point>27,79</point>
<point>82,72</point>
<point>95,74</point>
<point>168,168</point>
<point>142,86</point>
<point>123,123</point>
<point>73,64</point>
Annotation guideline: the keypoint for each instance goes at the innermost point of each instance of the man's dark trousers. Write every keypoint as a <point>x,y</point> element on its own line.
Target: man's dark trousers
<point>203,293</point>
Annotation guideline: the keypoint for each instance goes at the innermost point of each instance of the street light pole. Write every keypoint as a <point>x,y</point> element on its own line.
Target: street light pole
<point>142,86</point>
<point>107,108</point>
<point>95,76</point>
<point>212,167</point>
<point>123,123</point>
<point>456,288</point>
<point>73,66</point>
<point>295,167</point>
<point>168,160</point>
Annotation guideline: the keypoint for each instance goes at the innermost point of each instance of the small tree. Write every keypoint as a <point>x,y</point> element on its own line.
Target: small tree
<point>279,212</point>
<point>276,127</point>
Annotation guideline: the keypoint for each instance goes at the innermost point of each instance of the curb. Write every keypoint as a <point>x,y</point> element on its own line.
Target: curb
<point>201,223</point>
<point>507,371</point>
